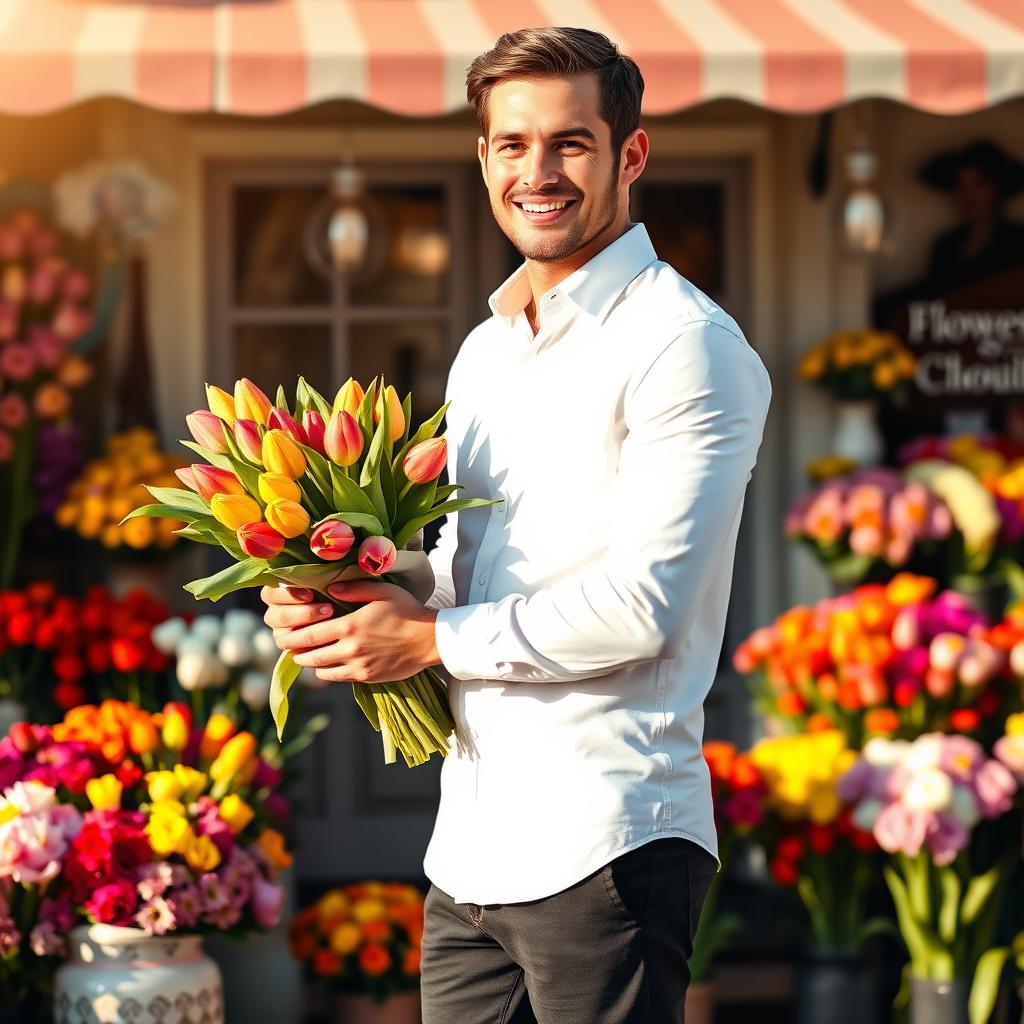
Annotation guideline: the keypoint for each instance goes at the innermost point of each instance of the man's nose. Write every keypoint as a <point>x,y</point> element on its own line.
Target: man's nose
<point>540,168</point>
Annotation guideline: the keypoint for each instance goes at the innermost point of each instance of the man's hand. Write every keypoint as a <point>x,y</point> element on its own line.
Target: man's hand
<point>390,637</point>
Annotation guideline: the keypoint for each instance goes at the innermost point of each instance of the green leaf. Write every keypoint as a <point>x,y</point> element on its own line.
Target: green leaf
<point>447,490</point>
<point>985,987</point>
<point>348,495</point>
<point>387,486</point>
<point>375,452</point>
<point>949,908</point>
<point>849,568</point>
<point>179,497</point>
<point>302,399</point>
<point>318,471</point>
<point>417,524</point>
<point>920,944</point>
<point>979,890</point>
<point>284,675</point>
<point>281,400</point>
<point>416,503</point>
<point>162,512</point>
<point>251,572</point>
<point>407,414</point>
<point>364,416</point>
<point>357,520</point>
<point>315,400</point>
<point>376,494</point>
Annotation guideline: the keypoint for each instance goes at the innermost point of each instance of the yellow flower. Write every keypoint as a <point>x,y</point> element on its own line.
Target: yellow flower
<point>201,853</point>
<point>235,811</point>
<point>349,397</point>
<point>193,782</point>
<point>289,518</point>
<point>221,403</point>
<point>884,376</point>
<point>368,910</point>
<point>234,510</point>
<point>396,414</point>
<point>1015,724</point>
<point>168,808</point>
<point>830,466</point>
<point>345,939</point>
<point>813,364</point>
<point>276,485</point>
<point>332,904</point>
<point>104,793</point>
<point>281,454</point>
<point>163,785</point>
<point>234,756</point>
<point>168,833</point>
<point>271,842</point>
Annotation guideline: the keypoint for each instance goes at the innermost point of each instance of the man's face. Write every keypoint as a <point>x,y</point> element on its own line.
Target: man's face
<point>552,178</point>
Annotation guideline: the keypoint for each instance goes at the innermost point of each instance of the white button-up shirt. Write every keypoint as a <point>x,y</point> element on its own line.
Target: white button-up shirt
<point>582,615</point>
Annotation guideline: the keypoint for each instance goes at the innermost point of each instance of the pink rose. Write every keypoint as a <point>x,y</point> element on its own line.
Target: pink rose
<point>995,787</point>
<point>114,903</point>
<point>267,901</point>
<point>901,830</point>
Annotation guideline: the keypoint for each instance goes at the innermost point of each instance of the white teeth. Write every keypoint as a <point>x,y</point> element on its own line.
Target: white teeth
<point>544,207</point>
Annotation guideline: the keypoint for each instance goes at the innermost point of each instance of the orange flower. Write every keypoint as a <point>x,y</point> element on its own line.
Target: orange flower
<point>411,962</point>
<point>881,720</point>
<point>377,931</point>
<point>791,703</point>
<point>819,722</point>
<point>303,945</point>
<point>326,963</point>
<point>374,959</point>
<point>906,588</point>
<point>745,772</point>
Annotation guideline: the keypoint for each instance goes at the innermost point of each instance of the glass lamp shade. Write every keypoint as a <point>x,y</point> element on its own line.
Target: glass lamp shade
<point>864,216</point>
<point>346,234</point>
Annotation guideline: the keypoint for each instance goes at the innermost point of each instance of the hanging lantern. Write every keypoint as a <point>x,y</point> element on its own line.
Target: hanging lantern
<point>865,216</point>
<point>346,234</point>
<point>425,251</point>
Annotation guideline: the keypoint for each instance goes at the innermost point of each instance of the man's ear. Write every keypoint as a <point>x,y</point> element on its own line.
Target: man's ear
<point>635,151</point>
<point>481,153</point>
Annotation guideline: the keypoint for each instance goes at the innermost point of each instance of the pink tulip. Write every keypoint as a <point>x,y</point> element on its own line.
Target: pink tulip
<point>10,313</point>
<point>249,440</point>
<point>1017,659</point>
<point>11,244</point>
<point>343,439</point>
<point>995,788</point>
<point>17,362</point>
<point>211,480</point>
<point>332,540</point>
<point>866,540</point>
<point>13,411</point>
<point>71,321</point>
<point>946,838</point>
<point>901,830</point>
<point>314,426</point>
<point>426,460</point>
<point>76,285</point>
<point>939,683</point>
<point>188,478</point>
<point>980,663</point>
<point>1010,750</point>
<point>208,430</point>
<point>42,285</point>
<point>281,419</point>
<point>267,901</point>
<point>48,349</point>
<point>259,540</point>
<point>376,555</point>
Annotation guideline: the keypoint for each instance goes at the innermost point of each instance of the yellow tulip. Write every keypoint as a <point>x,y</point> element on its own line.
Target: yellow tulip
<point>235,756</point>
<point>276,485</point>
<point>345,939</point>
<point>282,455</point>
<point>174,730</point>
<point>289,518</point>
<point>201,853</point>
<point>396,415</point>
<point>193,782</point>
<point>1015,724</point>
<point>219,729</point>
<point>221,403</point>
<point>163,786</point>
<point>167,834</point>
<point>104,793</point>
<point>349,397</point>
<point>236,812</point>
<point>250,402</point>
<point>235,510</point>
<point>167,807</point>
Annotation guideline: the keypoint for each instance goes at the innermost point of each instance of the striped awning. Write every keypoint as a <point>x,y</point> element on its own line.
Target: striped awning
<point>410,56</point>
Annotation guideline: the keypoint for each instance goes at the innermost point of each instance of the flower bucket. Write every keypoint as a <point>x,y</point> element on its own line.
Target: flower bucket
<point>124,976</point>
<point>836,988</point>
<point>856,433</point>
<point>938,1002</point>
<point>403,1008</point>
<point>700,1002</point>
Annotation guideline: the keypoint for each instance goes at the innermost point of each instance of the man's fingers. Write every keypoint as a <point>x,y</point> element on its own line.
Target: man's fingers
<point>291,616</point>
<point>316,635</point>
<point>285,595</point>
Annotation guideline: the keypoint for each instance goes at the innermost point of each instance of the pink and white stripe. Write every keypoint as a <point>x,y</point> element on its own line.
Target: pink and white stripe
<point>411,56</point>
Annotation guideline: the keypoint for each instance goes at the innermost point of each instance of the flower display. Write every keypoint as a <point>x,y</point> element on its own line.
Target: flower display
<point>57,651</point>
<point>870,520</point>
<point>892,660</point>
<point>809,832</point>
<point>111,487</point>
<point>289,511</point>
<point>928,803</point>
<point>42,314</point>
<point>859,365</point>
<point>362,938</point>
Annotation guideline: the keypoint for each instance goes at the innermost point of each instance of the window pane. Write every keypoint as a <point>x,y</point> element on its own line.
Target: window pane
<point>272,354</point>
<point>687,227</point>
<point>416,268</point>
<point>411,356</point>
<point>270,268</point>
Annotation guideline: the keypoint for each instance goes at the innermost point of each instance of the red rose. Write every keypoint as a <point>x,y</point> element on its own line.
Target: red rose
<point>114,903</point>
<point>790,848</point>
<point>128,774</point>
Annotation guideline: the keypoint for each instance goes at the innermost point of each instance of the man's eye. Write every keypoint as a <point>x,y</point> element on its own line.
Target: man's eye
<point>574,145</point>
<point>510,145</point>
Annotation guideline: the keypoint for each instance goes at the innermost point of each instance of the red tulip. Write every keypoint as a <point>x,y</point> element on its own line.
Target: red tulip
<point>425,460</point>
<point>376,555</point>
<point>343,439</point>
<point>259,540</point>
<point>249,440</point>
<point>211,480</point>
<point>24,738</point>
<point>314,426</point>
<point>332,540</point>
<point>281,419</point>
<point>208,430</point>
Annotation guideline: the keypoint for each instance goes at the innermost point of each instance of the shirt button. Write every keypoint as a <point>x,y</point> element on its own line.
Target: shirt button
<point>500,507</point>
<point>482,579</point>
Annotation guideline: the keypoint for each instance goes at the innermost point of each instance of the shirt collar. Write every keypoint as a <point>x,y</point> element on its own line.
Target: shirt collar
<point>595,287</point>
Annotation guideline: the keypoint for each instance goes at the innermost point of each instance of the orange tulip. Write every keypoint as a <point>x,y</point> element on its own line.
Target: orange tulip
<point>396,415</point>
<point>219,729</point>
<point>425,460</point>
<point>143,737</point>
<point>275,485</point>
<point>282,455</point>
<point>235,510</point>
<point>211,480</point>
<point>343,439</point>
<point>289,518</point>
<point>250,402</point>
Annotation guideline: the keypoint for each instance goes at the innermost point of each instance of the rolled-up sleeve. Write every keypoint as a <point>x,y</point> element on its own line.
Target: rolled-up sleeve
<point>694,419</point>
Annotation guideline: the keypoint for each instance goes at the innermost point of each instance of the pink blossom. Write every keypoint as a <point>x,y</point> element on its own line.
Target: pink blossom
<point>113,903</point>
<point>214,893</point>
<point>940,521</point>
<point>995,787</point>
<point>34,841</point>
<point>744,808</point>
<point>17,361</point>
<point>186,904</point>
<point>154,879</point>
<point>267,901</point>
<point>43,284</point>
<point>13,411</point>
<point>224,917</point>
<point>377,555</point>
<point>76,285</point>
<point>901,830</point>
<point>45,940</point>
<point>48,349</point>
<point>867,540</point>
<point>961,757</point>
<point>10,937</point>
<point>946,838</point>
<point>1010,750</point>
<point>71,321</point>
<point>59,913</point>
<point>156,917</point>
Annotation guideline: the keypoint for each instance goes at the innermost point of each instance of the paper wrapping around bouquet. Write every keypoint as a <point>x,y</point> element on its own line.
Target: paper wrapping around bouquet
<point>412,569</point>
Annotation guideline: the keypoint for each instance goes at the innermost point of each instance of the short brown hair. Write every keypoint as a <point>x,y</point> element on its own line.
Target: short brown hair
<point>562,52</point>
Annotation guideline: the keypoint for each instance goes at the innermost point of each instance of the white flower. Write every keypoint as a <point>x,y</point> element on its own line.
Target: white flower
<point>265,648</point>
<point>169,633</point>
<point>924,752</point>
<point>196,669</point>
<point>882,753</point>
<point>964,807</point>
<point>928,790</point>
<point>255,689</point>
<point>241,621</point>
<point>1017,659</point>
<point>207,628</point>
<point>193,645</point>
<point>866,813</point>
<point>235,650</point>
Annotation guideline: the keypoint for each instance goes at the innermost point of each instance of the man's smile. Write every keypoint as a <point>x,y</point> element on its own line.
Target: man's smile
<point>547,212</point>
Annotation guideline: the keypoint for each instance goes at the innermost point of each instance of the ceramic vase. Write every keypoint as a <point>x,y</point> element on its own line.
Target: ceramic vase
<point>938,1002</point>
<point>124,976</point>
<point>856,433</point>
<point>835,988</point>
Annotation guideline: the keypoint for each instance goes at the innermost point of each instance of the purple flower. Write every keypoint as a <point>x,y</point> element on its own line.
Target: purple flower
<point>267,901</point>
<point>995,787</point>
<point>901,830</point>
<point>45,940</point>
<point>946,838</point>
<point>961,757</point>
<point>59,913</point>
<point>154,880</point>
<point>213,892</point>
<point>186,904</point>
<point>224,917</point>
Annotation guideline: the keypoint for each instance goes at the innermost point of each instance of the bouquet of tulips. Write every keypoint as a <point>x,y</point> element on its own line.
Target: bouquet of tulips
<point>892,660</point>
<point>943,810</point>
<point>869,523</point>
<point>363,938</point>
<point>313,493</point>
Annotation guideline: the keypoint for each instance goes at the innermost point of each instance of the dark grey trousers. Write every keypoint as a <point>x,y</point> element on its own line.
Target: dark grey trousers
<point>611,949</point>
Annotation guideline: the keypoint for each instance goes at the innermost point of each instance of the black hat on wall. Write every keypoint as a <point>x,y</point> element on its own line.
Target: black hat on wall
<point>1005,171</point>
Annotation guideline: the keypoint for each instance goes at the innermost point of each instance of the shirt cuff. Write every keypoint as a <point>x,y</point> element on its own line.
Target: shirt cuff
<point>453,636</point>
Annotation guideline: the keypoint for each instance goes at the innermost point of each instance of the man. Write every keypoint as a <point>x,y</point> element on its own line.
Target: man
<point>615,413</point>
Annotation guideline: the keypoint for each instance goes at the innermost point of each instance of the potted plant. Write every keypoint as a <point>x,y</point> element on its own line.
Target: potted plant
<point>361,944</point>
<point>943,810</point>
